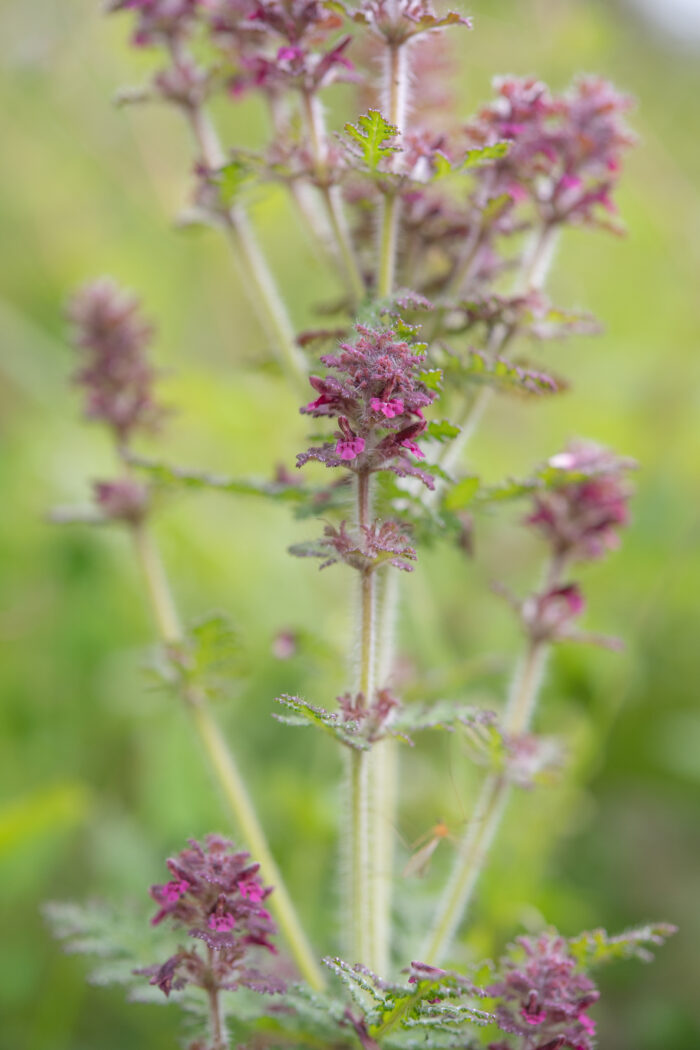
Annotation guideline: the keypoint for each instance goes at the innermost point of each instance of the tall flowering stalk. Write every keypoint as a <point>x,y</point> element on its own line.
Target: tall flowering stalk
<point>113,337</point>
<point>374,392</point>
<point>425,219</point>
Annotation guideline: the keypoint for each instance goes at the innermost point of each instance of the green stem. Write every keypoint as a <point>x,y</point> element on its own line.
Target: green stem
<point>363,938</point>
<point>222,761</point>
<point>531,277</point>
<point>219,1035</point>
<point>313,116</point>
<point>493,797</point>
<point>388,238</point>
<point>396,72</point>
<point>257,278</point>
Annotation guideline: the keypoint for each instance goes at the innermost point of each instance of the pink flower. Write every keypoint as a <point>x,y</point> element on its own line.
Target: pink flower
<point>537,1018</point>
<point>221,923</point>
<point>289,54</point>
<point>412,447</point>
<point>390,409</point>
<point>252,890</point>
<point>587,1022</point>
<point>350,448</point>
<point>570,182</point>
<point>172,891</point>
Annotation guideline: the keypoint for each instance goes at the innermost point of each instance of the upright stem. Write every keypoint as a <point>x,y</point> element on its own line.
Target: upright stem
<point>384,770</point>
<point>362,938</point>
<point>222,761</point>
<point>313,115</point>
<point>493,797</point>
<point>397,97</point>
<point>531,277</point>
<point>219,1035</point>
<point>256,275</point>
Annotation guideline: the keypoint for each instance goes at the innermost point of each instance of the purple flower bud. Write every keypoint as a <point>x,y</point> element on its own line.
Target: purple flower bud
<point>158,20</point>
<point>112,336</point>
<point>548,616</point>
<point>122,500</point>
<point>541,987</point>
<point>581,519</point>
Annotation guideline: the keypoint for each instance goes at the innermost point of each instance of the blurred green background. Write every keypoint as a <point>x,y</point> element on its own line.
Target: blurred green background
<point>99,777</point>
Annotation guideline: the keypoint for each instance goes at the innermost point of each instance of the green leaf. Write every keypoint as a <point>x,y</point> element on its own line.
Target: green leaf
<point>432,378</point>
<point>305,714</point>
<point>495,208</point>
<point>307,500</point>
<point>372,135</point>
<point>462,493</point>
<point>442,430</point>
<point>231,179</point>
<point>500,374</point>
<point>596,947</point>
<point>476,158</point>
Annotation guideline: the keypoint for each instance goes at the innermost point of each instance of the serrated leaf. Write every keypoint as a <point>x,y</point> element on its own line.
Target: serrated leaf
<point>305,714</point>
<point>495,207</point>
<point>444,714</point>
<point>306,500</point>
<point>371,135</point>
<point>481,155</point>
<point>500,374</point>
<point>442,430</point>
<point>432,378</point>
<point>462,493</point>
<point>231,179</point>
<point>596,947</point>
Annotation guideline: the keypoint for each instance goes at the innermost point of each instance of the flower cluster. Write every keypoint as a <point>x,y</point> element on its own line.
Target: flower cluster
<point>581,520</point>
<point>215,893</point>
<point>543,997</point>
<point>565,151</point>
<point>375,393</point>
<point>398,21</point>
<point>113,337</point>
<point>159,21</point>
<point>273,45</point>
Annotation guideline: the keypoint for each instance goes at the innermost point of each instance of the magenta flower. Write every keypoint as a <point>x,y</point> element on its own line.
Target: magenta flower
<point>389,409</point>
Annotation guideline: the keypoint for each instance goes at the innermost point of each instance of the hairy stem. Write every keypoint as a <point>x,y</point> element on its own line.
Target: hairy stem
<point>313,115</point>
<point>384,786</point>
<point>217,1024</point>
<point>261,287</point>
<point>221,760</point>
<point>363,934</point>
<point>531,277</point>
<point>493,797</point>
<point>396,90</point>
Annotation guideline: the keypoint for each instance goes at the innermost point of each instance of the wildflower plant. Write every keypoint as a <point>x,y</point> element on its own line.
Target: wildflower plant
<point>441,234</point>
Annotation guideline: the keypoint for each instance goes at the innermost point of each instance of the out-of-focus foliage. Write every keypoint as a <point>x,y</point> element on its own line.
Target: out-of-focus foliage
<point>98,775</point>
